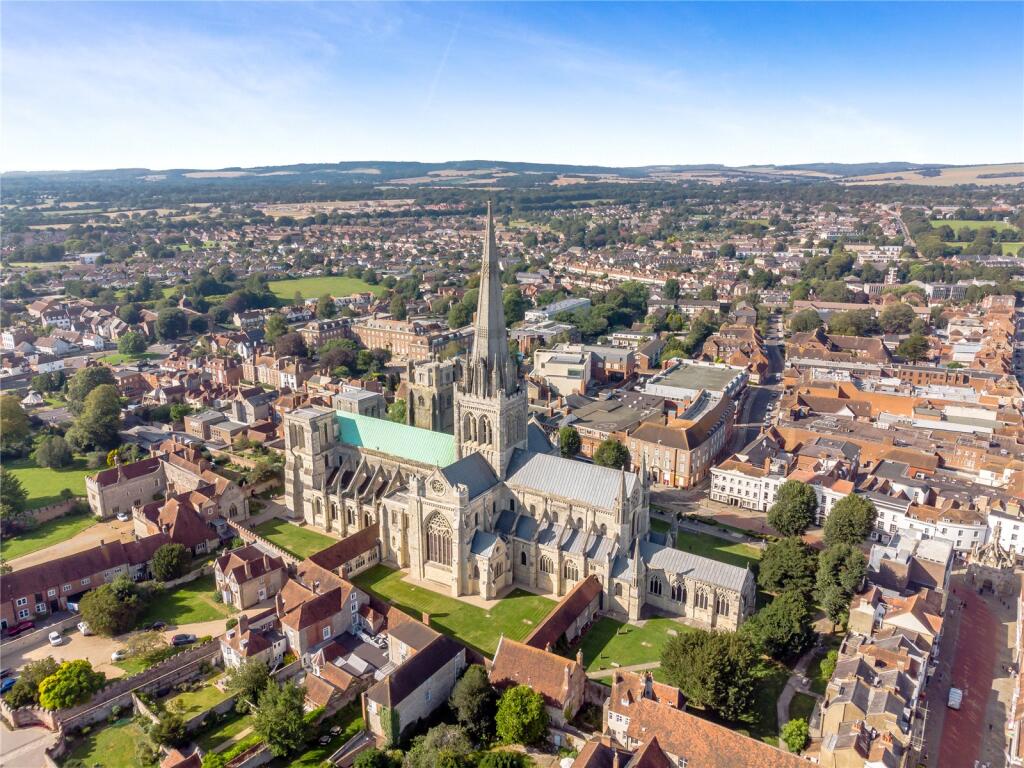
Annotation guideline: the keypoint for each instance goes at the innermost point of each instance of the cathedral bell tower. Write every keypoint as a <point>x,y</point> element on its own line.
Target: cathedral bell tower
<point>490,400</point>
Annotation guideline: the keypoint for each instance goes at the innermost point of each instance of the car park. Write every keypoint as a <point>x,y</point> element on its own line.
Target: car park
<point>56,638</point>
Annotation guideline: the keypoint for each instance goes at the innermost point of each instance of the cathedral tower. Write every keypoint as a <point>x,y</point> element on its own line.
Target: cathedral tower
<point>490,401</point>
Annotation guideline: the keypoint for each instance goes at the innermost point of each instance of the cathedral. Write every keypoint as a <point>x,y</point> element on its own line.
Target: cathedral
<point>494,506</point>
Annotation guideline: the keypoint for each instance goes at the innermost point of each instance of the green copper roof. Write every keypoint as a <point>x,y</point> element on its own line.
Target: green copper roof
<point>401,440</point>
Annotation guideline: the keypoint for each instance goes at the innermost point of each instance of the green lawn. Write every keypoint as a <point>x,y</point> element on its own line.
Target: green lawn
<point>610,641</point>
<point>118,359</point>
<point>315,287</point>
<point>1012,248</point>
<point>301,542</point>
<point>818,680</point>
<point>802,705</point>
<point>223,731</point>
<point>111,746</point>
<point>191,703</point>
<point>44,485</point>
<point>46,534</point>
<point>187,604</point>
<point>660,526</point>
<point>135,664</point>
<point>514,616</point>
<point>715,548</point>
<point>956,224</point>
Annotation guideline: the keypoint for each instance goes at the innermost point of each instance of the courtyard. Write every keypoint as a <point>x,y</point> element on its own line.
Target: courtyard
<point>294,539</point>
<point>610,644</point>
<point>514,616</point>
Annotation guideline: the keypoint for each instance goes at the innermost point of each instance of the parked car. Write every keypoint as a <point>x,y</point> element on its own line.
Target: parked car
<point>124,517</point>
<point>6,672</point>
<point>183,640</point>
<point>22,626</point>
<point>325,739</point>
<point>83,627</point>
<point>56,638</point>
<point>155,626</point>
<point>119,655</point>
<point>7,684</point>
<point>956,698</point>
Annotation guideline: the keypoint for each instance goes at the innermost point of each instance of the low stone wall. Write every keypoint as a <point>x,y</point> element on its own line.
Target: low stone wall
<point>595,693</point>
<point>195,723</point>
<point>144,709</point>
<point>250,537</point>
<point>60,509</point>
<point>39,637</point>
<point>288,671</point>
<point>190,576</point>
<point>256,755</point>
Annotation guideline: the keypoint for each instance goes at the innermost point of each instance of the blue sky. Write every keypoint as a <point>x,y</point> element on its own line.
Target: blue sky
<point>211,85</point>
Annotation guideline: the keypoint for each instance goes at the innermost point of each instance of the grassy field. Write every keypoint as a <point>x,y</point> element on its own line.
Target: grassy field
<point>187,604</point>
<point>715,548</point>
<point>1014,248</point>
<point>301,542</point>
<point>515,615</point>
<point>957,224</point>
<point>224,731</point>
<point>802,705</point>
<point>610,641</point>
<point>135,664</point>
<point>315,287</point>
<point>111,746</point>
<point>118,359</point>
<point>44,485</point>
<point>191,703</point>
<point>46,534</point>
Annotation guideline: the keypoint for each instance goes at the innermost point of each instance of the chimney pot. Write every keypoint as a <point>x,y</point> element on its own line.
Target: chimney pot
<point>425,618</point>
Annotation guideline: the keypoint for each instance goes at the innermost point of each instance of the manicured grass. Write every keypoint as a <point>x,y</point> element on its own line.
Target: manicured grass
<point>118,359</point>
<point>224,731</point>
<point>135,664</point>
<point>514,616</point>
<point>660,526</point>
<point>802,705</point>
<point>301,542</point>
<point>186,604</point>
<point>315,287</point>
<point>111,746</point>
<point>818,680</point>
<point>46,534</point>
<point>191,703</point>
<point>764,723</point>
<point>715,548</point>
<point>1012,248</point>
<point>957,224</point>
<point>351,722</point>
<point>44,485</point>
<point>609,641</point>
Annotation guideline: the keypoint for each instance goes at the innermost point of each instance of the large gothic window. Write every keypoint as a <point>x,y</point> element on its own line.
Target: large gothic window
<point>722,605</point>
<point>484,432</point>
<point>655,585</point>
<point>570,571</point>
<point>679,592</point>
<point>439,540</point>
<point>546,566</point>
<point>702,599</point>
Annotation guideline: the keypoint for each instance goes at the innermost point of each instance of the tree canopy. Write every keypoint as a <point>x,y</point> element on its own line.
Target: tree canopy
<point>794,508</point>
<point>612,453</point>
<point>475,704</point>
<point>851,520</point>
<point>787,564</point>
<point>715,670</point>
<point>521,716</point>
<point>278,718</point>
<point>171,561</point>
<point>98,424</point>
<point>569,442</point>
<point>73,683</point>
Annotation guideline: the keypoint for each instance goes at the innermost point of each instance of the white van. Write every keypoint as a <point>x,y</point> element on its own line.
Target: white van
<point>956,697</point>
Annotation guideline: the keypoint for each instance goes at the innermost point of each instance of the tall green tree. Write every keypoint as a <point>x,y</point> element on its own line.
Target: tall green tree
<point>787,564</point>
<point>783,627</point>
<point>14,425</point>
<point>132,343</point>
<point>85,381</point>
<point>170,323</point>
<point>112,609</point>
<point>98,424</point>
<point>25,692</point>
<point>612,453</point>
<point>443,746</point>
<point>278,718</point>
<point>841,571</point>
<point>896,318</point>
<point>795,735</point>
<point>474,703</point>
<point>521,717</point>
<point>397,411</point>
<point>171,561</point>
<point>248,680</point>
<point>851,520</point>
<point>569,443</point>
<point>275,327</point>
<point>794,508</point>
<point>53,451</point>
<point>914,348</point>
<point>715,670</point>
<point>74,682</point>
<point>13,499</point>
<point>805,320</point>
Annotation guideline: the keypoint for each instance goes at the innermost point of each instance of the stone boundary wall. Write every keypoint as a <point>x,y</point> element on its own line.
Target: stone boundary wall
<point>193,724</point>
<point>596,693</point>
<point>288,671</point>
<point>251,537</point>
<point>203,570</point>
<point>50,512</point>
<point>39,637</point>
<point>256,755</point>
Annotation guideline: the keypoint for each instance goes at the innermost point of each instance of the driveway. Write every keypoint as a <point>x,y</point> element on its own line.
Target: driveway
<point>93,536</point>
<point>76,646</point>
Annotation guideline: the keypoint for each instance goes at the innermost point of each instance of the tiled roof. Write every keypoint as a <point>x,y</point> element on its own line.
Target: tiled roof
<point>565,613</point>
<point>339,553</point>
<point>589,484</point>
<point>127,471</point>
<point>520,664</point>
<point>416,670</point>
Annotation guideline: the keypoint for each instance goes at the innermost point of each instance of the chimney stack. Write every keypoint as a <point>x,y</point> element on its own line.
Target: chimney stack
<point>279,604</point>
<point>579,657</point>
<point>425,618</point>
<point>243,624</point>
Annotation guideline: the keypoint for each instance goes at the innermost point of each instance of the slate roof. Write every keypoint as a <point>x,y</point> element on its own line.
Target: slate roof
<point>483,543</point>
<point>472,471</point>
<point>416,670</point>
<point>705,569</point>
<point>407,442</point>
<point>579,481</point>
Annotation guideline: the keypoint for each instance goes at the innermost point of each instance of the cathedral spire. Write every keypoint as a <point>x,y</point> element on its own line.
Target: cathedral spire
<point>490,340</point>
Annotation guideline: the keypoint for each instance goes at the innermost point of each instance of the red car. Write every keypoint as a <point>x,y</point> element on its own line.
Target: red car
<point>23,626</point>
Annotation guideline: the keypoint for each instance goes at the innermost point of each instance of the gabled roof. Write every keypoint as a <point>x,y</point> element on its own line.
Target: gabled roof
<point>402,440</point>
<point>520,664</point>
<point>349,548</point>
<point>565,613</point>
<point>416,670</point>
<point>472,471</point>
<point>589,484</point>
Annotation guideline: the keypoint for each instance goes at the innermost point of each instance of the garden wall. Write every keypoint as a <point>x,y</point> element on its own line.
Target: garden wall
<point>203,570</point>
<point>39,637</point>
<point>53,511</point>
<point>195,723</point>
<point>256,755</point>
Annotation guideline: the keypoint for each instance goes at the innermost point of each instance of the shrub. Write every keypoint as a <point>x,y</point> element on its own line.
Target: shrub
<point>795,734</point>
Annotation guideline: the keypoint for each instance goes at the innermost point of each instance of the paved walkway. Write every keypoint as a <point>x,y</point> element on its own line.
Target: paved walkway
<point>224,745</point>
<point>797,683</point>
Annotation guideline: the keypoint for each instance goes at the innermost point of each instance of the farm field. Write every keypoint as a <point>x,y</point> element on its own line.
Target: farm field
<point>299,541</point>
<point>956,224</point>
<point>314,287</point>
<point>515,615</point>
<point>46,534</point>
<point>43,485</point>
